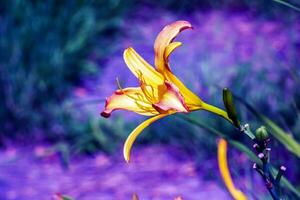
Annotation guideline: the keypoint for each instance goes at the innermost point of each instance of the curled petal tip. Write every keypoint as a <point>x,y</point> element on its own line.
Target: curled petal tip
<point>164,38</point>
<point>127,49</point>
<point>105,114</point>
<point>126,153</point>
<point>183,23</point>
<point>127,160</point>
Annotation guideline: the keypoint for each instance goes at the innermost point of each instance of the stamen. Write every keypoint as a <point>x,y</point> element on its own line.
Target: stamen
<point>147,98</point>
<point>146,109</point>
<point>141,98</point>
<point>119,85</point>
<point>144,86</point>
<point>148,94</point>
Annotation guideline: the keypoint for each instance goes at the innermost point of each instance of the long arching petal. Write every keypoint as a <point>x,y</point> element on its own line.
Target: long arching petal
<point>132,99</point>
<point>223,166</point>
<point>133,135</point>
<point>163,40</point>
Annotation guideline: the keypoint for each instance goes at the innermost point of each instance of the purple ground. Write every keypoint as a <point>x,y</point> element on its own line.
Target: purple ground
<point>155,173</point>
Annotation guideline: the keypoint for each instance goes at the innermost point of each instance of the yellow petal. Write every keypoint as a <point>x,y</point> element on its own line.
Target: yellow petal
<point>191,99</point>
<point>141,69</point>
<point>170,48</point>
<point>164,38</point>
<point>171,100</point>
<point>223,166</point>
<point>132,99</point>
<point>133,135</point>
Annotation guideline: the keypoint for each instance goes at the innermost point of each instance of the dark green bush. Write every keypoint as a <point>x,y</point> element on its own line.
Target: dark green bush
<point>47,48</point>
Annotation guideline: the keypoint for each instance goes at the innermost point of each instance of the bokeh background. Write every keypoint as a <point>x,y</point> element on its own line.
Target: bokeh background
<point>60,59</point>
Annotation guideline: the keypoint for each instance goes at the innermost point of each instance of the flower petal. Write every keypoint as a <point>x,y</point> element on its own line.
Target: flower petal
<point>223,166</point>
<point>191,99</point>
<point>133,135</point>
<point>171,100</point>
<point>170,48</point>
<point>164,38</point>
<point>132,99</point>
<point>163,48</point>
<point>141,69</point>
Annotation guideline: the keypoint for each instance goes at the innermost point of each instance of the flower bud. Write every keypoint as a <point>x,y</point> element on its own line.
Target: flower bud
<point>230,108</point>
<point>261,134</point>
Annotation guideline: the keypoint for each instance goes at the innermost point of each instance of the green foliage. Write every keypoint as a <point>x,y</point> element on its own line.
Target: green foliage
<point>47,48</point>
<point>291,144</point>
<point>267,8</point>
<point>97,133</point>
<point>241,147</point>
<point>287,4</point>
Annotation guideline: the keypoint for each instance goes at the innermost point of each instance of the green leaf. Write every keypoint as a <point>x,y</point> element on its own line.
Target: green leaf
<point>240,147</point>
<point>291,145</point>
<point>288,5</point>
<point>282,136</point>
<point>245,150</point>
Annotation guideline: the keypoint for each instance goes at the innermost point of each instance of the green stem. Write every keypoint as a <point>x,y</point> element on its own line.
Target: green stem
<point>288,5</point>
<point>216,110</point>
<point>240,147</point>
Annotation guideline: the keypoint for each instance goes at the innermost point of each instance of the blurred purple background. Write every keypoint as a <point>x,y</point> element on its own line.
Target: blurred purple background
<point>53,138</point>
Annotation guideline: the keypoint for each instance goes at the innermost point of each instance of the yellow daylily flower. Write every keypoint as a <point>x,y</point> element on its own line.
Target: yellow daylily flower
<point>223,167</point>
<point>160,92</point>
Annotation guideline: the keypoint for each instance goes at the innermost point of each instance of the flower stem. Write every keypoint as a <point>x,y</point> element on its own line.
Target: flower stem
<point>216,110</point>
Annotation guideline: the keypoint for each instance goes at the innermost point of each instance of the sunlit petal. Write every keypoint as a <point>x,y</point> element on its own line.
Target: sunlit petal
<point>141,69</point>
<point>171,100</point>
<point>133,135</point>
<point>164,38</point>
<point>223,166</point>
<point>132,99</point>
<point>190,98</point>
<point>170,48</point>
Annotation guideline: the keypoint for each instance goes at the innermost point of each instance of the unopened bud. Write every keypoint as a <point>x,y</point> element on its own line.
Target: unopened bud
<point>230,108</point>
<point>261,134</point>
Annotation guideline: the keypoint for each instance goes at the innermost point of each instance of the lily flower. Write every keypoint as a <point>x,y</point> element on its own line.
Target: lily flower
<point>160,92</point>
<point>223,167</point>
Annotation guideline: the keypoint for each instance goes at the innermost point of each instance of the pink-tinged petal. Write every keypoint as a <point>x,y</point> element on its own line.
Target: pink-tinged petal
<point>171,100</point>
<point>164,38</point>
<point>133,135</point>
<point>191,99</point>
<point>163,47</point>
<point>132,99</point>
